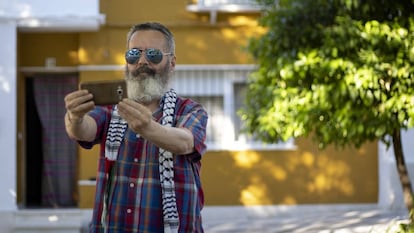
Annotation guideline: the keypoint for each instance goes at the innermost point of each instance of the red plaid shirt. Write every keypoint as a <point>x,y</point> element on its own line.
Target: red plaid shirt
<point>135,194</point>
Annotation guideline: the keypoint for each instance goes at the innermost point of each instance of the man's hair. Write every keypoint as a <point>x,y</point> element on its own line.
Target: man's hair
<point>169,37</point>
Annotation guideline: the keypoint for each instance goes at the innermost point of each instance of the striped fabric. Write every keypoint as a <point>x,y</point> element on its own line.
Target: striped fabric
<point>136,201</point>
<point>166,165</point>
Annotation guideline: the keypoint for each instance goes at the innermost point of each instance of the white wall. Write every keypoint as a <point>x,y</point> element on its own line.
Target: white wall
<point>390,190</point>
<point>42,8</point>
<point>53,15</point>
<point>8,115</point>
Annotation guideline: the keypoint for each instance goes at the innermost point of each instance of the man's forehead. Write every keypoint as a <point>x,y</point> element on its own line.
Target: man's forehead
<point>148,36</point>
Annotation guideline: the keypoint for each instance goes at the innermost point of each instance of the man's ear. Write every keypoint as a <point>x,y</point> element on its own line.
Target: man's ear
<point>172,62</point>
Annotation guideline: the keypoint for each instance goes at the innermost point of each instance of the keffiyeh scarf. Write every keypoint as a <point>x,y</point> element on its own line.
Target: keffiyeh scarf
<point>116,130</point>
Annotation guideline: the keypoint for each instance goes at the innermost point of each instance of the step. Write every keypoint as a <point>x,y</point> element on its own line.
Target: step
<point>48,221</point>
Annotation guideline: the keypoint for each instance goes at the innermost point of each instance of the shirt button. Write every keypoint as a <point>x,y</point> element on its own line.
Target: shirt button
<point>129,211</point>
<point>131,185</point>
<point>136,160</point>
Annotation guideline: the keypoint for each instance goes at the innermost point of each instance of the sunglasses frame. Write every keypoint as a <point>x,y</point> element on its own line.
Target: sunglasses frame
<point>152,55</point>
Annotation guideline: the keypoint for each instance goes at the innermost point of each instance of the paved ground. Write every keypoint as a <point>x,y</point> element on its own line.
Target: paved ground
<point>369,218</point>
<point>309,219</point>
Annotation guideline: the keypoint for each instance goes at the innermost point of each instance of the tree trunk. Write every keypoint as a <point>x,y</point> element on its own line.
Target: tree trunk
<point>403,173</point>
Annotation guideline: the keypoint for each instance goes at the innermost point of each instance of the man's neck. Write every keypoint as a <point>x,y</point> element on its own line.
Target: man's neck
<point>153,105</point>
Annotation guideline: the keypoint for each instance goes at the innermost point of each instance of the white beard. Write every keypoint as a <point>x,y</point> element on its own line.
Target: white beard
<point>146,89</point>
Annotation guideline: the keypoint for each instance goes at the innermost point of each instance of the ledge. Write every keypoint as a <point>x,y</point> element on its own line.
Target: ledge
<point>66,23</point>
<point>48,220</point>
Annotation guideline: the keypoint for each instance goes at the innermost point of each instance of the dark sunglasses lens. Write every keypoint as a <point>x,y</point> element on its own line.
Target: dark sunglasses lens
<point>154,55</point>
<point>132,56</point>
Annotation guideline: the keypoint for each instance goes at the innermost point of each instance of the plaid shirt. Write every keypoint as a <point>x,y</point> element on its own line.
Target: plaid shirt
<point>135,194</point>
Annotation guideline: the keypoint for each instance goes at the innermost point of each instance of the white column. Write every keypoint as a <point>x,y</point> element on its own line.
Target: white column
<point>8,114</point>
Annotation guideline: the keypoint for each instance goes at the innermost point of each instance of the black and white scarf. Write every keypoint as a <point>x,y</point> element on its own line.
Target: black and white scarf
<point>116,130</point>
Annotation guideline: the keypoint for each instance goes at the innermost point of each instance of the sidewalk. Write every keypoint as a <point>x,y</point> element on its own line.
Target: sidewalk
<point>304,218</point>
<point>348,218</point>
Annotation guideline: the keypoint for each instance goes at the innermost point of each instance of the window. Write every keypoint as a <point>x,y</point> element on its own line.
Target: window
<point>214,107</point>
<point>221,90</point>
<point>239,95</point>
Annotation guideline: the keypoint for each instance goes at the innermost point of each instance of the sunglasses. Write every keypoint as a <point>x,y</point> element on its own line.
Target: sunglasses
<point>153,55</point>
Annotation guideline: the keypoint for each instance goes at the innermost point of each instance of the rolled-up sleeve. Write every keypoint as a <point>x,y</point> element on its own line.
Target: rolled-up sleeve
<point>194,117</point>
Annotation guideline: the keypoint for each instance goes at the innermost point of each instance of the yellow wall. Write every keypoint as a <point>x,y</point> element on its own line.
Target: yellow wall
<point>305,175</point>
<point>34,48</point>
<point>203,45</point>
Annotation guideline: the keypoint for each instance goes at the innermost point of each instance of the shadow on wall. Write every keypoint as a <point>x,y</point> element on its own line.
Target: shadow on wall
<point>304,176</point>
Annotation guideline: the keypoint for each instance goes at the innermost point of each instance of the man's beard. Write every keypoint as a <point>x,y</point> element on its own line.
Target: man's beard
<point>145,84</point>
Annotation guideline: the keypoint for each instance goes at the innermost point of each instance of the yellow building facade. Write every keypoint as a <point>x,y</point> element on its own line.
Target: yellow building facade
<point>210,43</point>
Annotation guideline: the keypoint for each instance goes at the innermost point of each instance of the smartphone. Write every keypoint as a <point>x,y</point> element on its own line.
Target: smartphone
<point>106,92</point>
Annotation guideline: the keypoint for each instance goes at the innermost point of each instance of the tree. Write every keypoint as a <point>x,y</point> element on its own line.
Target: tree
<point>339,70</point>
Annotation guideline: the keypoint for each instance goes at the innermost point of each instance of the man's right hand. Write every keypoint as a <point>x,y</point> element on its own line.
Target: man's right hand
<point>80,126</point>
<point>78,103</point>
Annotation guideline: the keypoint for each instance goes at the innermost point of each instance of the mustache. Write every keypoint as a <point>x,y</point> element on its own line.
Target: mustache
<point>143,69</point>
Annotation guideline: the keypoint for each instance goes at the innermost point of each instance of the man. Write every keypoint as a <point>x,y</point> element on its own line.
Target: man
<point>151,143</point>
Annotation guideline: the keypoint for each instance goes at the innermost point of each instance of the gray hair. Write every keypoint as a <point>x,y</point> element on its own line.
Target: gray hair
<point>169,37</point>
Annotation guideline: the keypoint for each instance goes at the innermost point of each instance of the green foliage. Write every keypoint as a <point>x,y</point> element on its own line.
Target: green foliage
<point>405,228</point>
<point>339,69</point>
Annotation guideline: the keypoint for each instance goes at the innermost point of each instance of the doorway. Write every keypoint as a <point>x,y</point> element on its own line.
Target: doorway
<point>51,157</point>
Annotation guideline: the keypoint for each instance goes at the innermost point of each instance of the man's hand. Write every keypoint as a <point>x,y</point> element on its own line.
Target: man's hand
<point>78,103</point>
<point>138,116</point>
<point>80,126</point>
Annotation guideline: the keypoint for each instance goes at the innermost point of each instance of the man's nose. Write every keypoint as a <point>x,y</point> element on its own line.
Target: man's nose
<point>142,59</point>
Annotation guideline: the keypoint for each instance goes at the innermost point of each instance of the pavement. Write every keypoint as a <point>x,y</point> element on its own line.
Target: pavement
<point>365,218</point>
<point>347,218</point>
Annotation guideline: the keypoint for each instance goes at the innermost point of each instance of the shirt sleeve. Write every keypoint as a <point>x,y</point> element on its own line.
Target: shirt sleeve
<point>193,116</point>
